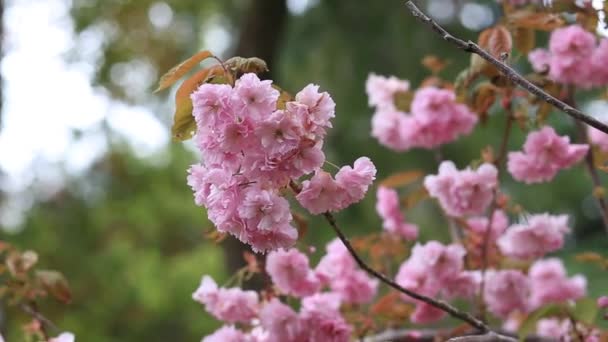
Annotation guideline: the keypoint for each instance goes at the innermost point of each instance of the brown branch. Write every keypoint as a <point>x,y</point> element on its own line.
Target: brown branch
<point>506,70</point>
<point>32,310</point>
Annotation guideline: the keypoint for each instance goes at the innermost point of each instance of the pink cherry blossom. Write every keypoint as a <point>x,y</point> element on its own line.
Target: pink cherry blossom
<point>229,305</point>
<point>253,98</point>
<point>598,64</point>
<point>540,59</point>
<point>320,194</point>
<point>562,330</point>
<point>211,105</point>
<point>227,333</point>
<point>425,314</point>
<point>320,106</point>
<point>381,90</point>
<point>466,192</point>
<point>544,154</point>
<point>439,261</point>
<point>322,320</point>
<point>602,302</point>
<point>281,322</point>
<point>393,221</point>
<point>539,235</point>
<point>354,181</point>
<point>338,269</point>
<point>388,127</point>
<point>291,274</point>
<point>549,283</point>
<point>479,225</point>
<point>463,285</point>
<point>506,291</point>
<point>571,48</point>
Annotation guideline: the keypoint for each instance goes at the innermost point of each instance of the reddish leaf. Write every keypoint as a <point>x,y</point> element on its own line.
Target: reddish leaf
<point>181,69</point>
<point>402,179</point>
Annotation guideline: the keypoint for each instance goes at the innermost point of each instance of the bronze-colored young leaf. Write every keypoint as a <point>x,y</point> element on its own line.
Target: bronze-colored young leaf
<point>55,283</point>
<point>184,125</point>
<point>541,21</point>
<point>402,178</point>
<point>241,65</point>
<point>434,64</point>
<point>498,42</point>
<point>284,97</point>
<point>181,69</point>
<point>524,39</point>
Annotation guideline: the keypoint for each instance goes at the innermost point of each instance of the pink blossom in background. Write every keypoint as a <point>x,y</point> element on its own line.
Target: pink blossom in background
<point>540,59</point>
<point>381,90</point>
<point>291,274</point>
<point>599,65</point>
<point>550,283</point>
<point>544,154</point>
<point>355,180</point>
<point>227,333</point>
<point>598,138</point>
<point>571,48</point>
<point>425,314</point>
<point>506,291</point>
<point>539,235</point>
<point>435,119</point>
<point>228,305</point>
<point>466,192</point>
<point>338,269</point>
<point>479,225</point>
<point>441,262</point>
<point>322,321</point>
<point>320,109</point>
<point>553,327</point>
<point>281,322</point>
<point>602,302</point>
<point>63,337</point>
<point>393,220</point>
<point>463,285</point>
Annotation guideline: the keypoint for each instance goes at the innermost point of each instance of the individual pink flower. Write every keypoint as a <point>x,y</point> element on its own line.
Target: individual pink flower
<point>291,274</point>
<point>538,236</point>
<point>381,90</point>
<point>439,118</point>
<point>338,269</point>
<point>479,225</point>
<point>437,260</point>
<point>264,209</point>
<point>393,221</point>
<point>553,327</point>
<point>211,105</point>
<point>281,235</point>
<point>227,333</point>
<point>321,107</point>
<point>571,49</point>
<point>463,285</point>
<point>322,320</point>
<point>252,98</point>
<point>506,291</point>
<point>466,192</point>
<point>388,127</point>
<point>63,337</point>
<point>281,322</point>
<point>549,283</point>
<point>320,194</point>
<point>355,180</point>
<point>540,59</point>
<point>544,154</point>
<point>229,305</point>
<point>602,302</point>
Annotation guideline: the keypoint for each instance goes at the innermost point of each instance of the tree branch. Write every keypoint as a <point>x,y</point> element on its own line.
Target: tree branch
<point>506,70</point>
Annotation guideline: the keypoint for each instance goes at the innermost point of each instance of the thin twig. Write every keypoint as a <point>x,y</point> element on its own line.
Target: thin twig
<point>502,153</point>
<point>506,70</point>
<point>32,310</point>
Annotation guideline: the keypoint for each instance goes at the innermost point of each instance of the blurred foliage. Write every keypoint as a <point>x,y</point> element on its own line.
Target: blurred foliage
<point>127,234</point>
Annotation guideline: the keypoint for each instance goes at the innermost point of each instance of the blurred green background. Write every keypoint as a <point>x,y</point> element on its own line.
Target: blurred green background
<point>124,229</point>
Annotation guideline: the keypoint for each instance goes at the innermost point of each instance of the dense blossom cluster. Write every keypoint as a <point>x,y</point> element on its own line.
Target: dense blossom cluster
<point>251,149</point>
<point>319,318</point>
<point>466,192</point>
<point>435,119</point>
<point>574,57</point>
<point>535,237</point>
<point>544,154</point>
<point>393,220</point>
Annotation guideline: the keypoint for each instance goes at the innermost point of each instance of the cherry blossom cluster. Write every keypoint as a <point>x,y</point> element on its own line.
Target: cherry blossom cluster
<point>252,146</point>
<point>435,119</point>
<point>463,192</point>
<point>544,154</point>
<point>393,220</point>
<point>574,57</point>
<point>319,318</point>
<point>561,330</point>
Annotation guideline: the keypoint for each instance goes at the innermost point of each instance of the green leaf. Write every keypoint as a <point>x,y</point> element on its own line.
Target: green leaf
<point>529,324</point>
<point>181,69</point>
<point>585,310</point>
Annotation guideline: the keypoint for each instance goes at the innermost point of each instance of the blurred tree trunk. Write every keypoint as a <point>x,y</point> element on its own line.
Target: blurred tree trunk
<point>260,36</point>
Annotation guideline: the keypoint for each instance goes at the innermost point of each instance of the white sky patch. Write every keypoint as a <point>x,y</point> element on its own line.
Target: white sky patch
<point>160,15</point>
<point>476,16</point>
<point>47,100</point>
<point>299,7</point>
